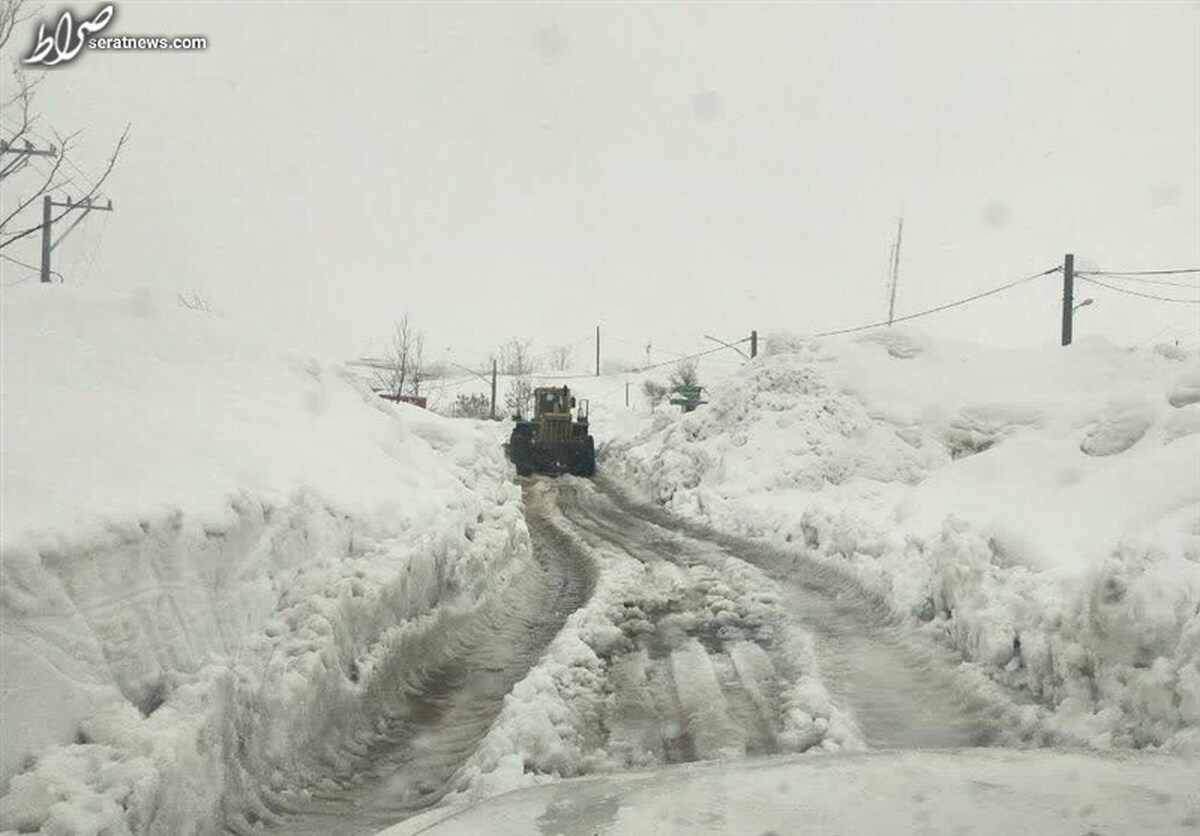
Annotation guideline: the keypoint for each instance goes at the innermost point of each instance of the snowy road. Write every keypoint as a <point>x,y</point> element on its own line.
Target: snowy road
<point>449,704</point>
<point>723,649</point>
<point>899,691</point>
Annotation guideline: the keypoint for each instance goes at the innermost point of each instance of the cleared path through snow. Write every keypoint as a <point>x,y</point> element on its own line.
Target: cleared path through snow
<point>899,689</point>
<point>449,703</point>
<point>722,648</point>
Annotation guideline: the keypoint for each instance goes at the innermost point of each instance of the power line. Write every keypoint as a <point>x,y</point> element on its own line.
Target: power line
<point>1129,292</point>
<point>20,263</point>
<point>1130,278</point>
<point>947,306</point>
<point>939,308</point>
<point>87,272</point>
<point>1137,272</point>
<point>27,267</point>
<point>695,356</point>
<point>1170,327</point>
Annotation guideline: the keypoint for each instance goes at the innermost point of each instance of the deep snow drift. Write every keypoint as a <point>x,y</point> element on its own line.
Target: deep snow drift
<point>1039,509</point>
<point>213,556</point>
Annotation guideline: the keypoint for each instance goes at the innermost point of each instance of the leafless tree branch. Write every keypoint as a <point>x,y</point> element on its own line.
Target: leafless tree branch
<point>20,113</point>
<point>49,184</point>
<point>404,368</point>
<point>12,13</point>
<point>559,358</point>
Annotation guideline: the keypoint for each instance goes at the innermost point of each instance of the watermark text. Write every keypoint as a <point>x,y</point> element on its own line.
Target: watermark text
<point>69,36</point>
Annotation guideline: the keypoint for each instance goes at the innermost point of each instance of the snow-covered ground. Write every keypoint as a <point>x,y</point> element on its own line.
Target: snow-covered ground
<point>980,792</point>
<point>231,576</point>
<point>662,665</point>
<point>1038,509</point>
<point>214,556</point>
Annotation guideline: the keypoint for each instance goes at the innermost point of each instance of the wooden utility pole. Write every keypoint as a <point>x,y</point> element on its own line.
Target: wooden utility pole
<point>627,394</point>
<point>48,205</point>
<point>597,351</point>
<point>1068,300</point>
<point>753,344</point>
<point>493,412</point>
<point>895,271</point>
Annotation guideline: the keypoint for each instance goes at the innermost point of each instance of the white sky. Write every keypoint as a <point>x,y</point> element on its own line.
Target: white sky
<point>665,171</point>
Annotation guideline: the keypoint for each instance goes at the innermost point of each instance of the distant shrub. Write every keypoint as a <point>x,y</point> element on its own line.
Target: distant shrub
<point>471,406</point>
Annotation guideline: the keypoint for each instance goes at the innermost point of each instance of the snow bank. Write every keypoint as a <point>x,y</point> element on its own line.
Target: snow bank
<point>1041,510</point>
<point>216,563</point>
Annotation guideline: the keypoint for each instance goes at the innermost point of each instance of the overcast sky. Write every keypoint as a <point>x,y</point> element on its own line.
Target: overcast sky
<point>665,171</point>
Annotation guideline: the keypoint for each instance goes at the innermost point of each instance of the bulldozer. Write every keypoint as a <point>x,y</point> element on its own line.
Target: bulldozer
<point>553,441</point>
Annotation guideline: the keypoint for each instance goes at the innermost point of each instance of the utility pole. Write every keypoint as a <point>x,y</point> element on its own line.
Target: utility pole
<point>627,394</point>
<point>47,208</point>
<point>895,277</point>
<point>597,351</point>
<point>48,205</point>
<point>493,413</point>
<point>28,150</point>
<point>1068,301</point>
<point>753,344</point>
<point>22,155</point>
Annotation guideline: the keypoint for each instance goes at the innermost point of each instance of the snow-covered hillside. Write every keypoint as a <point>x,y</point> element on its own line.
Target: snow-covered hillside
<point>213,554</point>
<point>1041,510</point>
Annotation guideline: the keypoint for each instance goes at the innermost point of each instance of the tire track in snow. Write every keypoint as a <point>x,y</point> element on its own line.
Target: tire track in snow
<point>900,689</point>
<point>710,664</point>
<point>705,669</point>
<point>447,707</point>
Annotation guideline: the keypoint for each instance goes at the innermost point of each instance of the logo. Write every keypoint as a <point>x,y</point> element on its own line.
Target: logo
<point>68,39</point>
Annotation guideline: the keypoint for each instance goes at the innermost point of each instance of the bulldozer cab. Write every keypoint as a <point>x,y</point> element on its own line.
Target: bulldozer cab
<point>552,400</point>
<point>552,407</point>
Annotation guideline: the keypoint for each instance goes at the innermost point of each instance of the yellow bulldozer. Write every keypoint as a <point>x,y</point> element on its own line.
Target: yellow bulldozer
<point>553,441</point>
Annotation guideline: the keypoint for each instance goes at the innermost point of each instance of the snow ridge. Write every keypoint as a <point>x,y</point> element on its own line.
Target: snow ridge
<point>1039,512</point>
<point>210,605</point>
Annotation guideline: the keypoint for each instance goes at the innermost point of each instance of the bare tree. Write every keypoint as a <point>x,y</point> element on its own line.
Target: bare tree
<point>403,368</point>
<point>418,371</point>
<point>686,373</point>
<point>21,126</point>
<point>559,358</point>
<point>516,360</point>
<point>516,357</point>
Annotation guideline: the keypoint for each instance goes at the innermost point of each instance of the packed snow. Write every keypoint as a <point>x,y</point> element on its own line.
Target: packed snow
<point>213,554</point>
<point>631,681</point>
<point>1039,510</point>
<point>977,792</point>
